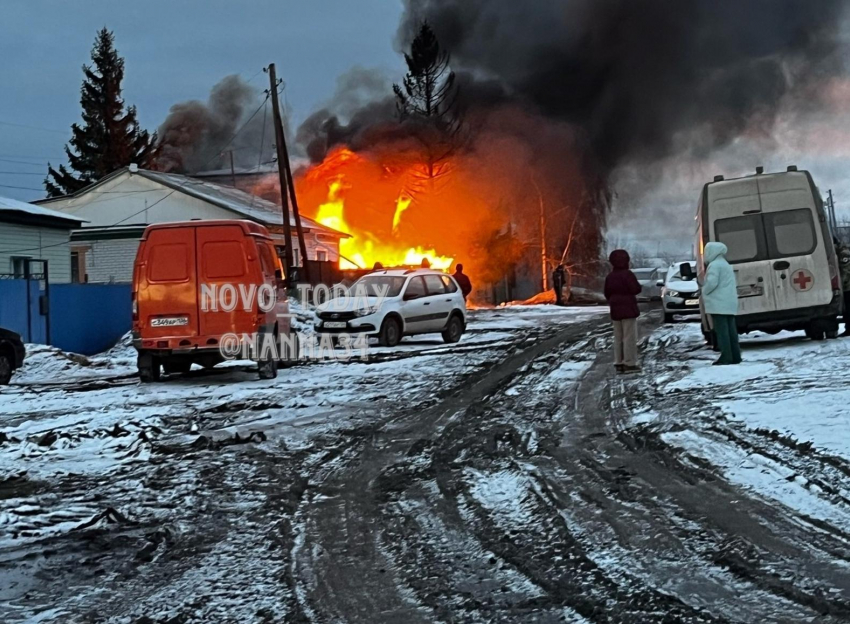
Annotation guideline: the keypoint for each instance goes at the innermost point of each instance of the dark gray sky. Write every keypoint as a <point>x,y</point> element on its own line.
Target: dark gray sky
<point>174,50</point>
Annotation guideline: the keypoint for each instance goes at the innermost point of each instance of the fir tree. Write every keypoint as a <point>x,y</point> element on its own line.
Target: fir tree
<point>109,137</point>
<point>427,98</point>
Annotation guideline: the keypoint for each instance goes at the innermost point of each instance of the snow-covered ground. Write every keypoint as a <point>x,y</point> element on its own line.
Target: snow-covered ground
<point>83,445</point>
<point>778,424</point>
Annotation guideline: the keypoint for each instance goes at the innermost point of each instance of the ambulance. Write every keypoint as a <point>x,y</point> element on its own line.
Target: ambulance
<point>781,248</point>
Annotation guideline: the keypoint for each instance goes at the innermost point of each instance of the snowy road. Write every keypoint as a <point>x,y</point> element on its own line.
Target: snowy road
<point>510,477</point>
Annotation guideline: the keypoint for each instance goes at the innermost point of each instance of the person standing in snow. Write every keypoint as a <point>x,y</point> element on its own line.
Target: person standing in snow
<point>621,291</point>
<point>843,253</point>
<point>720,299</point>
<point>559,276</point>
<point>462,281</point>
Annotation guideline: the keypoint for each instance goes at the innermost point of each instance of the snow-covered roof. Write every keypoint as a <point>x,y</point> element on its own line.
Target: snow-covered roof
<point>227,197</point>
<point>7,204</point>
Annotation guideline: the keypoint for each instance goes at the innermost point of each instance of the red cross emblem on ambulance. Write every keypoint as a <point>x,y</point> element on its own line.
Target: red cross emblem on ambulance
<point>803,280</point>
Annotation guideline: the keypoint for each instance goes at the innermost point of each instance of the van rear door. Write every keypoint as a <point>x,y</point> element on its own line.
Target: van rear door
<point>225,280</point>
<point>800,268</point>
<point>167,287</point>
<point>735,211</point>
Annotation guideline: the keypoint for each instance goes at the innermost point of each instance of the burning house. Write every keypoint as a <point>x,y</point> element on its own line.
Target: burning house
<point>502,145</point>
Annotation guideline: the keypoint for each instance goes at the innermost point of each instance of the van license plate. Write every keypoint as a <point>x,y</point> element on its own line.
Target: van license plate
<point>171,321</point>
<point>692,302</point>
<point>335,324</point>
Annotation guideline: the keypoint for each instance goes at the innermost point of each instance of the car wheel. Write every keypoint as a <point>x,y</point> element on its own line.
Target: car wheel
<point>149,368</point>
<point>832,334</point>
<point>5,370</point>
<point>390,334</point>
<point>669,318</point>
<point>454,330</point>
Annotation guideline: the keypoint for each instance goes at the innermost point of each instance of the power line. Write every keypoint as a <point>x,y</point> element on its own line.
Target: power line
<point>21,173</point>
<point>23,162</point>
<point>17,125</point>
<point>21,188</point>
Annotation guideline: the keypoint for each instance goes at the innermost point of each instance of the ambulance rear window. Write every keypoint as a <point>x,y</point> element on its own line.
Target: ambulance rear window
<point>790,233</point>
<point>743,236</point>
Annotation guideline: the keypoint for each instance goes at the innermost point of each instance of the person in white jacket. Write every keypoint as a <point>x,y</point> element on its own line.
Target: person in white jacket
<point>720,300</point>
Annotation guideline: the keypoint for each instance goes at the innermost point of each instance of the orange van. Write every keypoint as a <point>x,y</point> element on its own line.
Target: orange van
<point>195,282</point>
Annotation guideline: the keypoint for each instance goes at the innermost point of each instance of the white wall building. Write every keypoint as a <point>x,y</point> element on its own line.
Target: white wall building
<point>119,207</point>
<point>31,235</point>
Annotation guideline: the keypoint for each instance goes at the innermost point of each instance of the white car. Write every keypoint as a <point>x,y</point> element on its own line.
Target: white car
<point>415,301</point>
<point>648,279</point>
<point>680,291</point>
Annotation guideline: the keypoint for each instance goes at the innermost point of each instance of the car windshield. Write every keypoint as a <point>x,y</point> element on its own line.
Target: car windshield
<point>380,285</point>
<point>643,274</point>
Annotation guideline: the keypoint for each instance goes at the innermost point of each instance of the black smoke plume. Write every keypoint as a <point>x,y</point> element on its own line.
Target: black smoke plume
<point>198,136</point>
<point>634,75</point>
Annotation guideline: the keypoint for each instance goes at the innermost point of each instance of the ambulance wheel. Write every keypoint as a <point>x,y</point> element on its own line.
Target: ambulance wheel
<point>390,334</point>
<point>149,368</point>
<point>815,332</point>
<point>669,318</point>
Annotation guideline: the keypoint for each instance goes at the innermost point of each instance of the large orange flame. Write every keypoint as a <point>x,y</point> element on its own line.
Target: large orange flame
<point>340,174</point>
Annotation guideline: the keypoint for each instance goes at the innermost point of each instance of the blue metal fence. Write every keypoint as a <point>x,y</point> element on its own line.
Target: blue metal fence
<point>20,310</point>
<point>84,318</point>
<point>89,318</point>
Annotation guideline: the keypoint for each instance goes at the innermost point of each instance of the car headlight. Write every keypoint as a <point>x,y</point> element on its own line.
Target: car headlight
<point>366,311</point>
<point>674,293</point>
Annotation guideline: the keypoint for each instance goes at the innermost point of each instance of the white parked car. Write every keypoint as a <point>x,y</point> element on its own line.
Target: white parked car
<point>680,290</point>
<point>417,301</point>
<point>648,279</point>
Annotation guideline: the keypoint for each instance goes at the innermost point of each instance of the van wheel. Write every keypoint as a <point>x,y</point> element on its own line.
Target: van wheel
<point>454,330</point>
<point>171,367</point>
<point>669,318</point>
<point>5,369</point>
<point>390,334</point>
<point>149,368</point>
<point>267,368</point>
<point>288,359</point>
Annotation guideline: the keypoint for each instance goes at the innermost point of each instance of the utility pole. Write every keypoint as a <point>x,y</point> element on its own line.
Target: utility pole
<point>283,158</point>
<point>281,155</point>
<point>832,211</point>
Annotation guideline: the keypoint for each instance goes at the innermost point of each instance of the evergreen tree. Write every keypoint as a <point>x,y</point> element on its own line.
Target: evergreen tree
<point>427,98</point>
<point>109,137</point>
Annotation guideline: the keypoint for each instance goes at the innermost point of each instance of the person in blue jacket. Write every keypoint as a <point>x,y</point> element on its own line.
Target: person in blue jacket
<point>720,299</point>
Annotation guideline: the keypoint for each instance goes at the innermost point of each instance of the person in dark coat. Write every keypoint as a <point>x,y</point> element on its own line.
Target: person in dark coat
<point>621,291</point>
<point>559,276</point>
<point>462,280</point>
